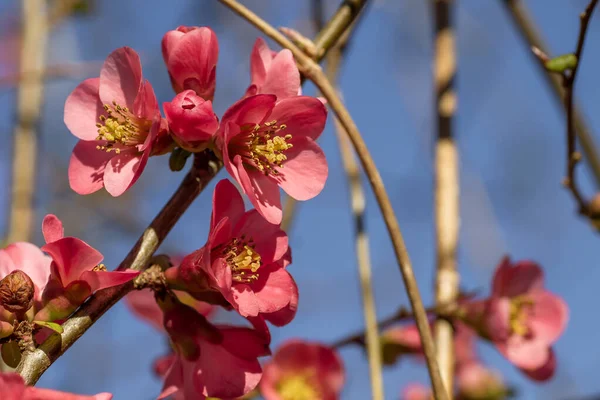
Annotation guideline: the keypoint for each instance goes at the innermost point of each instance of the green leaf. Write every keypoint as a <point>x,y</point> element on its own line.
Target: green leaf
<point>561,63</point>
<point>178,158</point>
<point>51,325</point>
<point>11,354</point>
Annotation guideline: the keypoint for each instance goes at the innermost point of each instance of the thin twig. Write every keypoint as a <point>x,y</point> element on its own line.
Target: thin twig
<point>341,24</point>
<point>527,29</point>
<point>312,71</point>
<point>446,185</point>
<point>357,197</point>
<point>33,364</point>
<point>29,101</point>
<point>573,156</point>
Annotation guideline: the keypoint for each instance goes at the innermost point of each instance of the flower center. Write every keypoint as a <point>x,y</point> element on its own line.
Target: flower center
<point>519,313</point>
<point>264,146</point>
<point>121,128</point>
<point>297,387</point>
<point>243,260</point>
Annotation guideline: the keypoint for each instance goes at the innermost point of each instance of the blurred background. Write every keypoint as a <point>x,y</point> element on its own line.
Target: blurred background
<point>509,130</point>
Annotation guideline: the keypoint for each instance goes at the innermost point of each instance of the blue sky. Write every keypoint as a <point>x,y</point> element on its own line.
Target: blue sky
<point>509,131</point>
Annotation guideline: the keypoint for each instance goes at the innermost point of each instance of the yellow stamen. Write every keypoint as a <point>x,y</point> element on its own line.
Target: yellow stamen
<point>121,127</point>
<point>266,147</point>
<point>297,387</point>
<point>519,313</point>
<point>243,259</point>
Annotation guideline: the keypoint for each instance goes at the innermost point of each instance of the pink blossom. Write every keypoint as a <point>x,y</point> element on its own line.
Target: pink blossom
<point>305,370</point>
<point>12,387</point>
<point>399,341</point>
<point>521,317</point>
<point>416,391</point>
<point>76,271</point>
<point>242,260</point>
<point>272,72</point>
<point>29,259</point>
<point>211,361</point>
<point>192,122</point>
<point>191,55</point>
<point>267,144</point>
<point>117,118</point>
<point>476,381</point>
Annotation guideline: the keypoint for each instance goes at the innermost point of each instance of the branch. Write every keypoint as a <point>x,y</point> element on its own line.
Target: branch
<point>341,24</point>
<point>313,72</point>
<point>528,31</point>
<point>33,364</point>
<point>573,157</point>
<point>357,197</point>
<point>446,185</point>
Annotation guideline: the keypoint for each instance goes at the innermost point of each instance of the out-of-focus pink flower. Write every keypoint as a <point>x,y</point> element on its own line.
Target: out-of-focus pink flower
<point>477,382</point>
<point>118,120</point>
<point>398,341</point>
<point>269,143</point>
<point>12,387</point>
<point>211,361</point>
<point>272,72</point>
<point>304,370</point>
<point>191,55</point>
<point>241,259</point>
<point>192,122</point>
<point>75,272</point>
<point>416,391</point>
<point>521,317</point>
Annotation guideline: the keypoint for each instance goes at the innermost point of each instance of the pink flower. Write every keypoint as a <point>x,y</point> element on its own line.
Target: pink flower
<point>191,55</point>
<point>476,381</point>
<point>399,341</point>
<point>272,72</point>
<point>12,387</point>
<point>76,271</point>
<point>243,260</point>
<point>192,122</point>
<point>522,318</point>
<point>212,361</point>
<point>416,391</point>
<point>268,143</point>
<point>117,118</point>
<point>304,370</point>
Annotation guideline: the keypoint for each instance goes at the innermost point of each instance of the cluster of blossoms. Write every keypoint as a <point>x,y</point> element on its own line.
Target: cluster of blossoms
<point>520,318</point>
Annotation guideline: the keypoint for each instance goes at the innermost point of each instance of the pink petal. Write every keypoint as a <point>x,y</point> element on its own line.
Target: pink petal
<point>173,380</point>
<point>271,242</point>
<point>283,77</point>
<point>227,202</point>
<point>244,342</point>
<point>35,393</point>
<point>30,259</point>
<point>251,110</point>
<point>528,354</point>
<point>146,105</point>
<point>12,384</point>
<point>516,279</point>
<point>86,167</point>
<point>550,316</point>
<point>144,306</point>
<point>99,280</point>
<point>123,171</point>
<point>304,116</point>
<point>121,77</point>
<point>52,228</point>
<point>304,173</point>
<point>497,318</point>
<point>277,291</point>
<point>262,192</point>
<point>169,41</point>
<point>6,264</point>
<point>72,257</point>
<point>544,372</point>
<point>245,300</point>
<point>83,108</point>
<point>260,61</point>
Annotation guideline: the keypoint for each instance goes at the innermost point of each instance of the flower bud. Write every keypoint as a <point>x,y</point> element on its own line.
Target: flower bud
<point>16,292</point>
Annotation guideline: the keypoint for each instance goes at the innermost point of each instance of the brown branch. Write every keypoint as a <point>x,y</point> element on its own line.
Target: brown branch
<point>338,29</point>
<point>446,185</point>
<point>312,71</point>
<point>34,364</point>
<point>577,125</point>
<point>573,156</point>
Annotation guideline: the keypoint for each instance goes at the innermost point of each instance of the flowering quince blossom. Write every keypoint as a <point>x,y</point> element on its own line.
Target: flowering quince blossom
<point>118,120</point>
<point>12,387</point>
<point>399,341</point>
<point>303,370</point>
<point>211,361</point>
<point>521,317</point>
<point>191,55</point>
<point>75,271</point>
<point>267,144</point>
<point>191,119</point>
<point>243,260</point>
<point>273,72</point>
<point>416,391</point>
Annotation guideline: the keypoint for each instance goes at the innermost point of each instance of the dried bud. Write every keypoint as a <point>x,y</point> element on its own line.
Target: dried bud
<point>16,292</point>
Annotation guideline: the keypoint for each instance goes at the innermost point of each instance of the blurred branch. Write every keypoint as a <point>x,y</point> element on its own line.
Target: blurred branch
<point>51,72</point>
<point>446,203</point>
<point>312,71</point>
<point>29,101</point>
<point>357,197</point>
<point>340,24</point>
<point>33,364</point>
<point>527,29</point>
